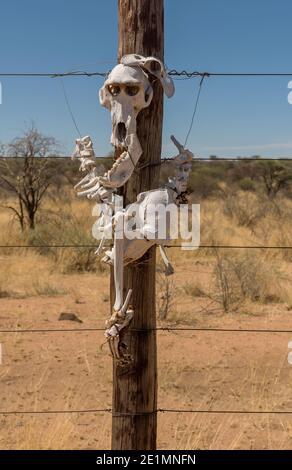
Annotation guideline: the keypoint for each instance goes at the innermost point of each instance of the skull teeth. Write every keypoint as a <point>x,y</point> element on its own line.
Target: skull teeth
<point>117,163</point>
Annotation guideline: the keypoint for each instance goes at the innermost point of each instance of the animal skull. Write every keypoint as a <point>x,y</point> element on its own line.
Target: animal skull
<point>126,91</point>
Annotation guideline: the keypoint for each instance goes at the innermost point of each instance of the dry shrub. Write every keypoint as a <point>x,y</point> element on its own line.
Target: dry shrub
<point>275,228</point>
<point>245,208</point>
<point>69,224</point>
<point>64,228</point>
<point>9,233</point>
<point>284,238</point>
<point>165,293</point>
<point>245,275</point>
<point>217,228</point>
<point>194,290</point>
<point>242,276</point>
<point>80,260</point>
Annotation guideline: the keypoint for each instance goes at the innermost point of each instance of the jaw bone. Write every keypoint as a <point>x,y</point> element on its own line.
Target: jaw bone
<point>100,187</point>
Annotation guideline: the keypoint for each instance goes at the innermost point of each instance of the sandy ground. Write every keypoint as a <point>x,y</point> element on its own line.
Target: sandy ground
<point>197,370</point>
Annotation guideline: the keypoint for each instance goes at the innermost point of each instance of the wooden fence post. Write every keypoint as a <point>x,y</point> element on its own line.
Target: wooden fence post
<point>134,421</point>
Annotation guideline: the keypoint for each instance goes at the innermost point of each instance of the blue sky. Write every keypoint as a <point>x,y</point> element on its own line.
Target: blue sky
<point>236,116</point>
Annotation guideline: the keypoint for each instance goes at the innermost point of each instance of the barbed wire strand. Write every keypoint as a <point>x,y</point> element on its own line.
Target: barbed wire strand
<point>35,412</point>
<point>184,73</point>
<point>166,159</point>
<point>77,73</point>
<point>143,330</point>
<point>117,414</point>
<point>195,110</point>
<point>66,98</point>
<point>227,247</point>
<point>172,72</point>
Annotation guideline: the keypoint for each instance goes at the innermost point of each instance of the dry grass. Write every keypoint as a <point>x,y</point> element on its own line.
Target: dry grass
<point>232,276</point>
<point>206,282</point>
<point>26,273</point>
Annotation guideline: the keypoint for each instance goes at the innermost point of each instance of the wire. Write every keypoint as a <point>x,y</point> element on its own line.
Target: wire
<point>222,330</point>
<point>69,107</point>
<point>240,159</point>
<point>49,246</point>
<point>184,73</point>
<point>173,73</point>
<point>170,159</point>
<point>33,412</point>
<point>170,410</point>
<point>53,330</point>
<point>195,110</point>
<point>143,330</point>
<point>144,413</point>
<point>235,247</point>
<point>76,73</point>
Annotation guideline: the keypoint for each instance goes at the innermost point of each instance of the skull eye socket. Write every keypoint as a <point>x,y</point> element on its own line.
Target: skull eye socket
<point>132,90</point>
<point>155,66</point>
<point>114,90</point>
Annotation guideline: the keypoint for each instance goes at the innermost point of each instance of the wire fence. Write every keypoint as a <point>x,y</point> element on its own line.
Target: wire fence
<point>232,247</point>
<point>172,73</point>
<point>166,159</point>
<point>145,330</point>
<point>116,414</point>
<point>183,74</point>
<point>187,75</point>
<point>158,410</point>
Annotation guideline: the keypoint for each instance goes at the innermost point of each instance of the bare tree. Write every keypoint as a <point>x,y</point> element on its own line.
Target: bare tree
<point>29,176</point>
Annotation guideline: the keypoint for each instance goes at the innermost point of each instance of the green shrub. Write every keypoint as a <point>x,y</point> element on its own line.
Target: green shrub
<point>247,184</point>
